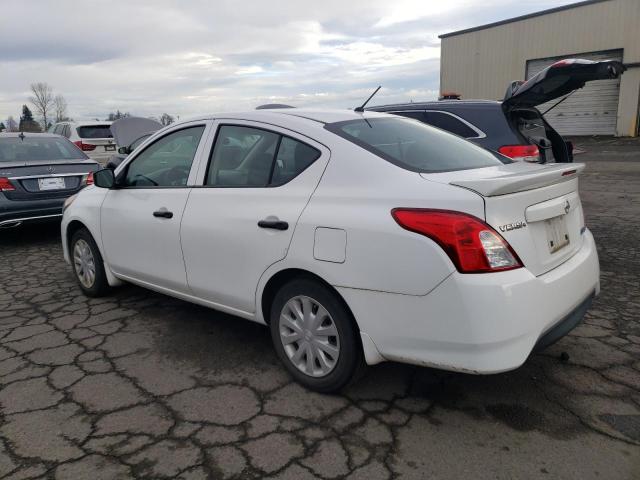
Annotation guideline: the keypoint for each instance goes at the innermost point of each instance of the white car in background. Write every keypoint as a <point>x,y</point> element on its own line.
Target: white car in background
<point>357,237</point>
<point>93,138</point>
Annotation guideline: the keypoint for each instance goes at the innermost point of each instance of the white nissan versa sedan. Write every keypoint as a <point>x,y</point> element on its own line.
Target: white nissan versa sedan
<point>357,237</point>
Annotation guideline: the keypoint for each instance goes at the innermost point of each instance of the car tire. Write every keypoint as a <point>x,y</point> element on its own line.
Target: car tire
<point>84,253</point>
<point>306,344</point>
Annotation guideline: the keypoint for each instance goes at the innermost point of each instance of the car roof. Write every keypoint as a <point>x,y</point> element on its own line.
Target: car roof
<point>28,134</point>
<point>433,103</point>
<point>91,122</point>
<point>312,116</point>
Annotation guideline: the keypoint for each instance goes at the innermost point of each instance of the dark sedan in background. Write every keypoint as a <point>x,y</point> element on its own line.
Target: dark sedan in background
<point>38,172</point>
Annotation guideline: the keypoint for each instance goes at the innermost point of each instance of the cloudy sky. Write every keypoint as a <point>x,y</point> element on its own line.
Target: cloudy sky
<point>196,56</point>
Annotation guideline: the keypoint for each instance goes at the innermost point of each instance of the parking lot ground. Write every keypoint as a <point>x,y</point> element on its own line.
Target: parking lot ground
<point>140,385</point>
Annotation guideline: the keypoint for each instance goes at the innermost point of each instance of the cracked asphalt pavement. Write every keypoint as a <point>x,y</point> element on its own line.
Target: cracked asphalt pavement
<point>140,385</point>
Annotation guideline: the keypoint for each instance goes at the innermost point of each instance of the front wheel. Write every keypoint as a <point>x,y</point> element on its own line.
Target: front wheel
<point>87,264</point>
<point>314,335</point>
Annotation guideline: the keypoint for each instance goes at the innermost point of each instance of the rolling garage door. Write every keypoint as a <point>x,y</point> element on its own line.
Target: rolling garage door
<point>592,110</point>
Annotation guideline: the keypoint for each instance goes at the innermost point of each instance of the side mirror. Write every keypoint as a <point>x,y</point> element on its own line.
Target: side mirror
<point>124,151</point>
<point>104,178</point>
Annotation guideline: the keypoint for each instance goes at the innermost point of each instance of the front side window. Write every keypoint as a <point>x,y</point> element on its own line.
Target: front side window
<point>412,145</point>
<point>136,143</point>
<point>166,162</point>
<point>253,157</point>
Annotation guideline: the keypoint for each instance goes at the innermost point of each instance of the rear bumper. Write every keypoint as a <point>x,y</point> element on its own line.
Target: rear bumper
<point>563,327</point>
<point>15,212</point>
<point>486,323</point>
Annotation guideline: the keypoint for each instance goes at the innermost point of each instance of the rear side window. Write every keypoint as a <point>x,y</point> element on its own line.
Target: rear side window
<point>253,157</point>
<point>449,123</point>
<point>413,146</point>
<point>293,157</point>
<point>94,131</point>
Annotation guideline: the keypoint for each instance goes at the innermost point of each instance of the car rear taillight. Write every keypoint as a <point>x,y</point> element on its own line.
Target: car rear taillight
<point>85,147</point>
<point>5,185</point>
<point>524,153</point>
<point>89,179</point>
<point>471,244</point>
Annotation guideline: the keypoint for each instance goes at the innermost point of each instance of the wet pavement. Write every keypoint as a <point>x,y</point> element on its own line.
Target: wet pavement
<point>140,385</point>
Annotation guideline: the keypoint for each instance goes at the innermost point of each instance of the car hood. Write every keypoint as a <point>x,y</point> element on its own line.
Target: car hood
<point>127,130</point>
<point>561,78</point>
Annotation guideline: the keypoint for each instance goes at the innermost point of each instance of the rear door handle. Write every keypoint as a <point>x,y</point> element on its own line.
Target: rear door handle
<point>163,213</point>
<point>274,224</point>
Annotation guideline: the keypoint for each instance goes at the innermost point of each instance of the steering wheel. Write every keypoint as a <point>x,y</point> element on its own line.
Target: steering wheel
<point>153,182</point>
<point>177,176</point>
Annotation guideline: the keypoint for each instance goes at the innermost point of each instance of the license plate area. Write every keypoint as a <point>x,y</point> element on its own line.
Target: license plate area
<point>557,233</point>
<point>110,148</point>
<point>53,183</point>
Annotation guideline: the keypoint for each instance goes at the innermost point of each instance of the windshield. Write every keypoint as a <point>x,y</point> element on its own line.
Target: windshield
<point>94,131</point>
<point>413,145</point>
<point>13,149</point>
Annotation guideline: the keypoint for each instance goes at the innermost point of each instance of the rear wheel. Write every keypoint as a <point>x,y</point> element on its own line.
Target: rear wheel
<point>314,335</point>
<point>87,264</point>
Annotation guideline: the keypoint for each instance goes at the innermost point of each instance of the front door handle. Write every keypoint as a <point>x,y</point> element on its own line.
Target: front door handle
<point>275,224</point>
<point>163,213</point>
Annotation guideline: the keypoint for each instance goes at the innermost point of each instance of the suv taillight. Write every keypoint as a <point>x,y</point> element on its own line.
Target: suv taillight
<point>523,153</point>
<point>472,245</point>
<point>5,185</point>
<point>85,147</point>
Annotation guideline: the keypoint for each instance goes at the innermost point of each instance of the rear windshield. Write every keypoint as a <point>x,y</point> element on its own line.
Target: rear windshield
<point>95,131</point>
<point>13,149</point>
<point>413,145</point>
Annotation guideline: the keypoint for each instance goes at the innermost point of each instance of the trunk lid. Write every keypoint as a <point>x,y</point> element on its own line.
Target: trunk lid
<point>129,129</point>
<point>34,180</point>
<point>561,78</point>
<point>536,208</point>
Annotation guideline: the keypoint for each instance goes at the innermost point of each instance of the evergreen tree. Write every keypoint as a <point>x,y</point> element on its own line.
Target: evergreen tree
<point>27,123</point>
<point>27,116</point>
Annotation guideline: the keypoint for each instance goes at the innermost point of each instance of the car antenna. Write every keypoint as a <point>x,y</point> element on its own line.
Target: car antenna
<point>360,109</point>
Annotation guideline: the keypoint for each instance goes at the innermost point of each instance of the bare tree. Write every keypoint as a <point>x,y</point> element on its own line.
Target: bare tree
<point>60,107</point>
<point>42,100</point>
<point>12,125</point>
<point>117,115</point>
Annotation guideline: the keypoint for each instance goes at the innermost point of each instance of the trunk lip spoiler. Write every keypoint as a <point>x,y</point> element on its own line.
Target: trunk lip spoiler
<point>521,181</point>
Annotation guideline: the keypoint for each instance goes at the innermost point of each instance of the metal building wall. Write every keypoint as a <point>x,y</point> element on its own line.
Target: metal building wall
<point>481,63</point>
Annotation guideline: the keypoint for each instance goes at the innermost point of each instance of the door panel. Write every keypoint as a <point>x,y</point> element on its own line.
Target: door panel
<point>225,250</point>
<point>140,219</point>
<point>140,245</point>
